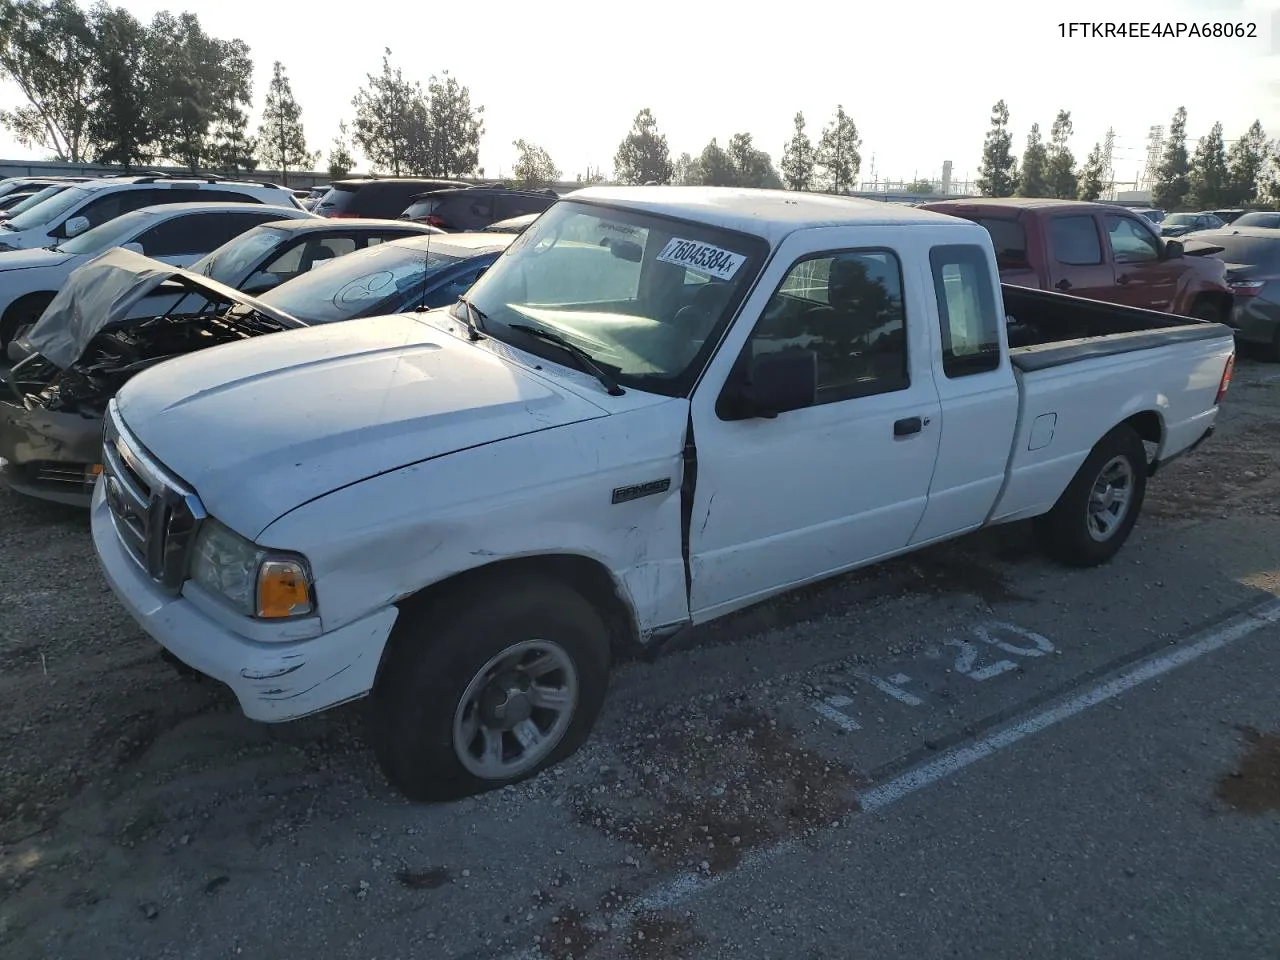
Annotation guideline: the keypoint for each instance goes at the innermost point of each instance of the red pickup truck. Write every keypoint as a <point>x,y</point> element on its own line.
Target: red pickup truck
<point>1098,251</point>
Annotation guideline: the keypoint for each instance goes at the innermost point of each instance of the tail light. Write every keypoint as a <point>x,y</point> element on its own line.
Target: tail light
<point>1226,378</point>
<point>1247,288</point>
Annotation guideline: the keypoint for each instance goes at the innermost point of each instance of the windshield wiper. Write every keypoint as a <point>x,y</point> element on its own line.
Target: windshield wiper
<point>473,317</point>
<point>585,363</point>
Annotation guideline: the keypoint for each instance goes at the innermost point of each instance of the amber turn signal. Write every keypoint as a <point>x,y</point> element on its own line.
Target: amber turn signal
<point>283,590</point>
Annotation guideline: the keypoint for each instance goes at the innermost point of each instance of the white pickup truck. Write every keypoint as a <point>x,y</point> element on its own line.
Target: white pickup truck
<point>662,404</point>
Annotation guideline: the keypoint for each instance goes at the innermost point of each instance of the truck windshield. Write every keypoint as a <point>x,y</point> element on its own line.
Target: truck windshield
<point>645,296</point>
<point>362,284</point>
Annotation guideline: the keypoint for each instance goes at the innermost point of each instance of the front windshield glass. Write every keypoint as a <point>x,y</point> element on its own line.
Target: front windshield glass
<point>49,210</point>
<point>113,233</point>
<point>645,296</point>
<point>231,262</point>
<point>361,284</point>
<point>40,197</point>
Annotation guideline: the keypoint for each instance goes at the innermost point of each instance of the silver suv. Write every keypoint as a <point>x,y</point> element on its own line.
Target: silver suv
<point>72,211</point>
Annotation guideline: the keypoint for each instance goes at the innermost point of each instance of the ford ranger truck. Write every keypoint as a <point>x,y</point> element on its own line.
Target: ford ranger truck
<point>660,405</point>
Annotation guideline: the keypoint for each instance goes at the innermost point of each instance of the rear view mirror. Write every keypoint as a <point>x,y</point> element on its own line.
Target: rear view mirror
<point>75,226</point>
<point>626,250</point>
<point>776,383</point>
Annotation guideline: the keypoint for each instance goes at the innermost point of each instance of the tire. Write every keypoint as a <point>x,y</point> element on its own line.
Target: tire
<point>1072,532</point>
<point>430,689</point>
<point>1206,311</point>
<point>23,312</point>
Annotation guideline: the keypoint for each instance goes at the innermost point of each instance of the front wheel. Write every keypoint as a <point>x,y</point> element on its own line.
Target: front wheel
<point>488,689</point>
<point>1096,513</point>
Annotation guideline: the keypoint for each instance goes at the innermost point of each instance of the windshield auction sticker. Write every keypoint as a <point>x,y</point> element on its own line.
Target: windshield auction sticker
<point>702,257</point>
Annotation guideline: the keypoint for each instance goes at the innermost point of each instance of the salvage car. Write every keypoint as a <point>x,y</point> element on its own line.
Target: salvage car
<point>176,233</point>
<point>91,340</point>
<point>660,405</point>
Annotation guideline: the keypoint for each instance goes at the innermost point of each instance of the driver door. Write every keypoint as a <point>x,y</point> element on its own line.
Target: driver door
<point>840,482</point>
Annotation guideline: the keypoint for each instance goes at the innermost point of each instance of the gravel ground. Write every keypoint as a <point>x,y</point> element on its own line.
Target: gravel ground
<point>142,815</point>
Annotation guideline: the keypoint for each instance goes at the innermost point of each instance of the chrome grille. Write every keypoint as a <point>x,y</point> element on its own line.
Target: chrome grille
<point>155,515</point>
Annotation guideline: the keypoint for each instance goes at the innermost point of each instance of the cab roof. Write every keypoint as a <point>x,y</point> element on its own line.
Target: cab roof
<point>769,213</point>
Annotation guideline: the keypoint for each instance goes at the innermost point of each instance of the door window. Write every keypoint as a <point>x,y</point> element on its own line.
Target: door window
<point>847,308</point>
<point>1075,241</point>
<point>188,234</point>
<point>1131,242</point>
<point>967,315</point>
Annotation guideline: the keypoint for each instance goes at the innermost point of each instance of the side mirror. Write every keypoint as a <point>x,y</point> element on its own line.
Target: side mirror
<point>776,383</point>
<point>1172,249</point>
<point>133,247</point>
<point>75,226</point>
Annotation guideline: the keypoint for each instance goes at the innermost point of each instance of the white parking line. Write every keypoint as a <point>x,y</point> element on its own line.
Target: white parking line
<point>830,708</point>
<point>685,886</point>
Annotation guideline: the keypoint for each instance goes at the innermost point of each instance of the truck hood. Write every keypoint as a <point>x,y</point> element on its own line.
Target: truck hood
<point>26,259</point>
<point>261,427</point>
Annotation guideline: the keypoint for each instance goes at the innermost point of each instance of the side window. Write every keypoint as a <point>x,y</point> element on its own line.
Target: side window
<point>847,308</point>
<point>1010,241</point>
<point>238,223</point>
<point>967,314</point>
<point>189,234</point>
<point>224,196</point>
<point>102,209</point>
<point>1130,242</point>
<point>1075,241</point>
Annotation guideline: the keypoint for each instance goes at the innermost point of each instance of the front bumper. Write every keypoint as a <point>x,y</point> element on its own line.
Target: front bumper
<point>50,455</point>
<point>273,681</point>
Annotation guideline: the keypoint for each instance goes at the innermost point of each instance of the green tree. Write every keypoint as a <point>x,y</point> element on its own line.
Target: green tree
<point>1090,179</point>
<point>798,158</point>
<point>207,84</point>
<point>837,156</point>
<point>453,129</point>
<point>1172,176</point>
<point>684,168</point>
<point>998,173</point>
<point>751,167</point>
<point>1247,167</point>
<point>918,186</point>
<point>282,142</point>
<point>713,168</point>
<point>534,167</point>
<point>121,123</point>
<point>340,160</point>
<point>1060,171</point>
<point>47,50</point>
<point>1208,176</point>
<point>1033,180</point>
<point>642,156</point>
<point>231,149</point>
<point>390,112</point>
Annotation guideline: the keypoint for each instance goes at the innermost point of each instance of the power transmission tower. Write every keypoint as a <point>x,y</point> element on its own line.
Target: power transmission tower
<point>1108,165</point>
<point>1155,151</point>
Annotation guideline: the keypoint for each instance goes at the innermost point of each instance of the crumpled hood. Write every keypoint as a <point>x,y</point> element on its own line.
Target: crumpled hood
<point>26,259</point>
<point>261,427</point>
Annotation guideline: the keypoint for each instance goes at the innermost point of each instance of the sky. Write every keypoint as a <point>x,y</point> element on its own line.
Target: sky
<point>918,77</point>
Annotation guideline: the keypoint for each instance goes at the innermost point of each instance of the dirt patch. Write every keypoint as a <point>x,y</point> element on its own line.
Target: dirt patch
<point>707,789</point>
<point>568,935</point>
<point>950,573</point>
<point>660,936</point>
<point>1231,474</point>
<point>1254,786</point>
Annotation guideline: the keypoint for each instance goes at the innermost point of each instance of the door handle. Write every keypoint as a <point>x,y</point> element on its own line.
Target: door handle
<point>1063,284</point>
<point>908,426</point>
<point>1122,279</point>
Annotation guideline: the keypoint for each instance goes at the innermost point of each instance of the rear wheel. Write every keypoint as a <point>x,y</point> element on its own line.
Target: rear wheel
<point>488,689</point>
<point>1206,311</point>
<point>22,313</point>
<point>1096,513</point>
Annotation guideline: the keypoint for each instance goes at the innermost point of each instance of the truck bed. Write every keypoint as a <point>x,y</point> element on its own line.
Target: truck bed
<point>1048,329</point>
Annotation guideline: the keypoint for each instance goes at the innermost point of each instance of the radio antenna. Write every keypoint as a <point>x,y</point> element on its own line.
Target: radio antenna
<point>426,265</point>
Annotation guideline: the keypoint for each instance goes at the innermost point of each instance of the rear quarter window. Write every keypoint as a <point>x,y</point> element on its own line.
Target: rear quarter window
<point>1010,240</point>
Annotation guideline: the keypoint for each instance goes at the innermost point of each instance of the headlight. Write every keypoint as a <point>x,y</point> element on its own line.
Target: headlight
<point>258,583</point>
